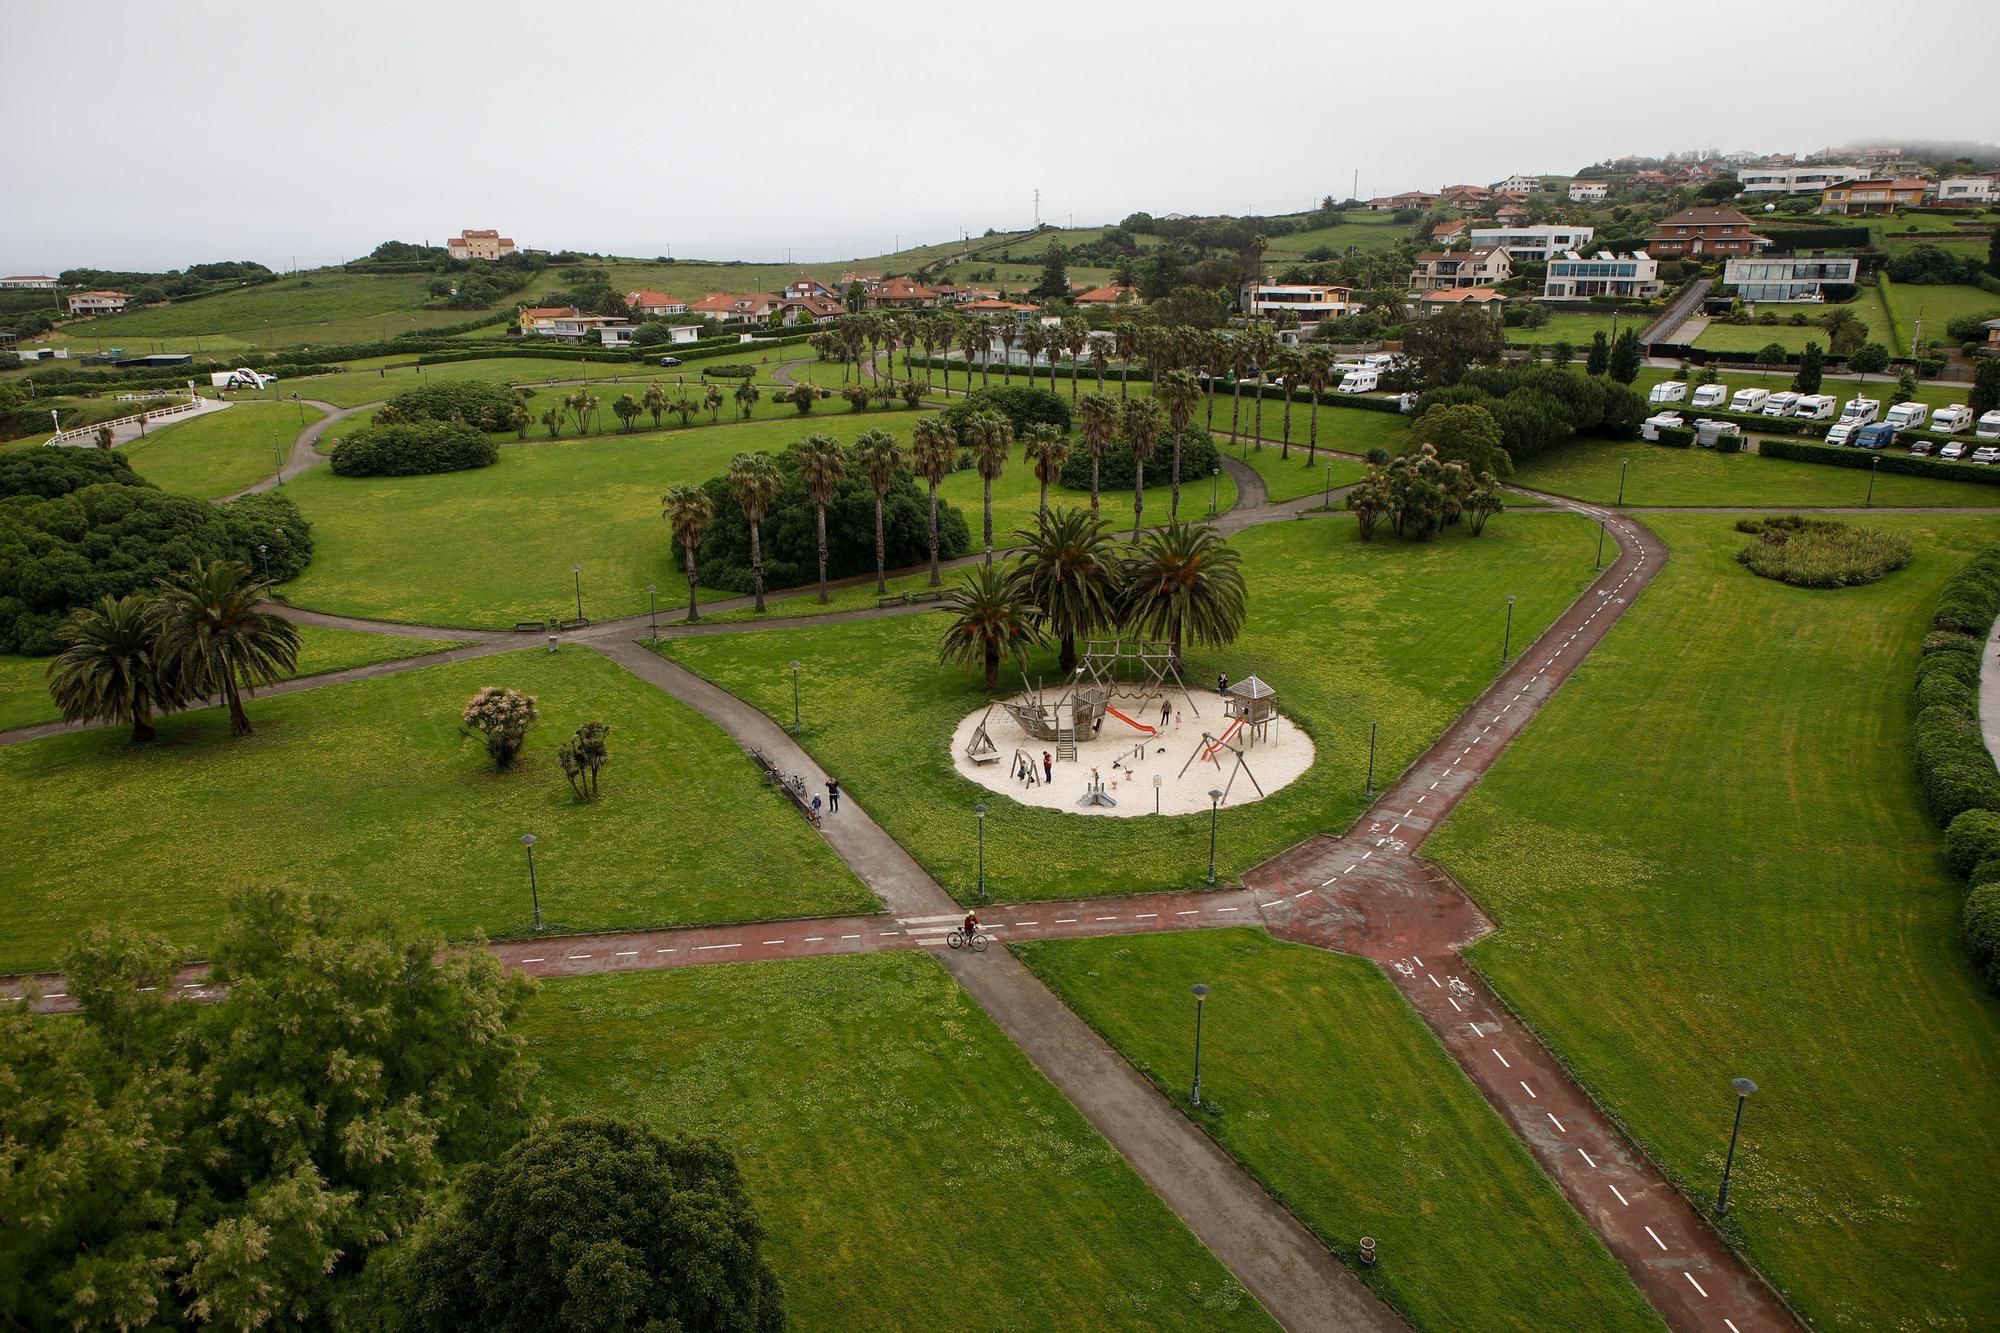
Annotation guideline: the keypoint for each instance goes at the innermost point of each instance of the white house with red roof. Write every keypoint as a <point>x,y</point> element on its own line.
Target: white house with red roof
<point>653,304</point>
<point>98,302</point>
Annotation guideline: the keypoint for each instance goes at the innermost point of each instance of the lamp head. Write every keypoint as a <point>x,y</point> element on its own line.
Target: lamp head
<point>527,840</point>
<point>980,810</point>
<point>652,587</point>
<point>1215,794</point>
<point>1744,1087</point>
<point>1200,991</point>
<point>795,664</point>
<point>1510,599</point>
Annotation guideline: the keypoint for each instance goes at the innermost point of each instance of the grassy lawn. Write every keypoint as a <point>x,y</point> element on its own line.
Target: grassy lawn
<point>914,1169</point>
<point>1365,231</point>
<point>24,690</point>
<point>495,545</point>
<point>1937,307</point>
<point>1334,1095</point>
<point>321,307</point>
<point>1763,897</point>
<point>1289,479</point>
<point>1348,631</point>
<point>1578,329</point>
<point>1588,470</point>
<point>370,785</point>
<point>222,452</point>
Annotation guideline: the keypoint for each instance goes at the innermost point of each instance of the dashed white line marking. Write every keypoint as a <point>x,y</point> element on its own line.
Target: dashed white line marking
<point>1587,1157</point>
<point>1656,1238</point>
<point>1228,909</point>
<point>1418,961</point>
<point>880,933</point>
<point>1395,826</point>
<point>774,941</point>
<point>1107,918</point>
<point>531,960</point>
<point>1275,902</point>
<point>1146,916</point>
<point>700,947</point>
<point>144,989</point>
<point>1434,786</point>
<point>1475,1029</point>
<point>1453,1003</point>
<point>1349,870</point>
<point>1192,911</point>
<point>1366,855</point>
<point>1408,813</point>
<point>1422,799</point>
<point>1530,1091</point>
<point>1732,1328</point>
<point>814,939</point>
<point>1501,1058</point>
<point>1065,921</point>
<point>1036,922</point>
<point>57,995</point>
<point>1434,981</point>
<point>1301,893</point>
<point>579,955</point>
<point>634,953</point>
<point>1692,1283</point>
<point>670,950</point>
<point>1621,1197</point>
<point>1557,1123</point>
<point>850,937</point>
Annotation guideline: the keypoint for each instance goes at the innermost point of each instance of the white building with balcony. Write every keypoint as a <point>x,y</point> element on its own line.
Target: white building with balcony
<point>1795,180</point>
<point>1533,245</point>
<point>1588,192</point>
<point>1571,277</point>
<point>1950,190</point>
<point>1793,278</point>
<point>1309,302</point>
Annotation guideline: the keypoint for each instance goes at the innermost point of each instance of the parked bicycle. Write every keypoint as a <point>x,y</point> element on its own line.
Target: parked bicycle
<point>976,942</point>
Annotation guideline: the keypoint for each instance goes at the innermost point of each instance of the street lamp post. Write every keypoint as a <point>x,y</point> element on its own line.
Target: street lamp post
<point>1744,1087</point>
<point>653,600</point>
<point>1214,809</point>
<point>528,841</point>
<point>1214,491</point>
<point>1157,780</point>
<point>979,816</point>
<point>1873,464</point>
<point>1200,992</point>
<point>1371,758</point>
<point>1623,463</point>
<point>1600,543</point>
<point>576,573</point>
<point>1328,502</point>
<point>1507,642</point>
<point>264,560</point>
<point>277,460</point>
<point>795,695</point>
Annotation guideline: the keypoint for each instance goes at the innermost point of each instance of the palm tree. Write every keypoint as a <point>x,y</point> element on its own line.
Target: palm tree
<point>1239,366</point>
<point>747,395</point>
<point>879,456</point>
<point>1185,584</point>
<point>213,639</point>
<point>1008,331</point>
<point>689,511</point>
<point>988,620</point>
<point>1047,447</point>
<point>754,480</point>
<point>1210,352</point>
<point>1127,337</point>
<point>1100,426</point>
<point>1286,365</point>
<point>822,463</point>
<point>1033,339</point>
<point>1100,358</point>
<point>1076,337</point>
<point>711,398</point>
<point>973,335</point>
<point>655,401</point>
<point>933,450</point>
<point>1142,421</point>
<point>991,436</point>
<point>1178,391</point>
<point>1317,366</point>
<point>627,410</point>
<point>1067,569</point>
<point>1258,345</point>
<point>108,670</point>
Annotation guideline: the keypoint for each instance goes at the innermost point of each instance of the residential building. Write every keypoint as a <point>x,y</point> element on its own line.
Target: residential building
<point>723,306</point>
<point>995,307</point>
<point>616,334</point>
<point>1446,269</point>
<point>865,276</point>
<point>1705,231</point>
<point>1103,297</point>
<point>1534,245</point>
<point>1310,302</point>
<point>1466,196</point>
<point>1571,277</point>
<point>653,305</point>
<point>479,245</point>
<point>821,308</point>
<point>29,282</point>
<point>1588,192</point>
<point>1510,215</point>
<point>1518,184</point>
<point>1795,180</point>
<point>1950,190</point>
<point>98,303</point>
<point>1766,278</point>
<point>568,324</point>
<point>1451,233</point>
<point>1395,203</point>
<point>806,285</point>
<point>1483,298</point>
<point>1872,196</point>
<point>901,294</point>
<point>1648,180</point>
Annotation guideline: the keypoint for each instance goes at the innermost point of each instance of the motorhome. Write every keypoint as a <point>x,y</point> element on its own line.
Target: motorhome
<point>1989,425</point>
<point>1382,361</point>
<point>1709,395</point>
<point>1363,380</point>
<point>1842,432</point>
<point>1951,420</point>
<point>1860,411</point>
<point>1749,401</point>
<point>1649,429</point>
<point>1667,391</point>
<point>1813,407</point>
<point>1904,416</point>
<point>1780,404</point>
<point>1875,435</point>
<point>1708,432</point>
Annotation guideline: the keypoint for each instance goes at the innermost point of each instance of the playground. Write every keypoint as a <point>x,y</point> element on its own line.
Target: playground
<point>1125,736</point>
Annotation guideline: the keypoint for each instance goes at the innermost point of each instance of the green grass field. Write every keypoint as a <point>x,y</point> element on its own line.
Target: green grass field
<point>371,786</point>
<point>24,691</point>
<point>1326,1085</point>
<point>1657,475</point>
<point>1937,307</point>
<point>421,549</point>
<point>1365,231</point>
<point>1708,859</point>
<point>914,1169</point>
<point>222,452</point>
<point>1348,631</point>
<point>327,306</point>
<point>1578,329</point>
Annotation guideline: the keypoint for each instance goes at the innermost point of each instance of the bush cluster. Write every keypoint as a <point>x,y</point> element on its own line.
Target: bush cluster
<point>1823,553</point>
<point>1198,457</point>
<point>478,403</point>
<point>1022,406</point>
<point>410,448</point>
<point>79,524</point>
<point>1540,407</point>
<point>1954,767</point>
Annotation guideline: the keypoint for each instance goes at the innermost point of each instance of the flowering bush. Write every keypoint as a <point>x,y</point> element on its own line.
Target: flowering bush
<point>503,717</point>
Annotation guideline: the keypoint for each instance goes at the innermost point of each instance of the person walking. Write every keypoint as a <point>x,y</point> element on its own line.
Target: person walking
<point>1222,684</point>
<point>1166,712</point>
<point>833,796</point>
<point>1048,767</point>
<point>815,807</point>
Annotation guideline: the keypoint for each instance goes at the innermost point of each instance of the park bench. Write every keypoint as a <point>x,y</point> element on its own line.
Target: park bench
<point>898,599</point>
<point>577,622</point>
<point>529,626</point>
<point>933,595</point>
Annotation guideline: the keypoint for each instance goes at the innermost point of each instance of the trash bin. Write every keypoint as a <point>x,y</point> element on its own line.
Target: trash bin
<point>1368,1250</point>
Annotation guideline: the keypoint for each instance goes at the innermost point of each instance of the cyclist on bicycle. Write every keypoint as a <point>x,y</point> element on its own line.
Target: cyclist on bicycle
<point>971,925</point>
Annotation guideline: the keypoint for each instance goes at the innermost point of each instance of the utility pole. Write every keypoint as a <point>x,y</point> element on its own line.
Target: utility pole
<point>1038,208</point>
<point>1356,192</point>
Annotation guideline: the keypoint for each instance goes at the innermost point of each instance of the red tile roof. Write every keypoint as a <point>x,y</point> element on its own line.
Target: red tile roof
<point>1457,295</point>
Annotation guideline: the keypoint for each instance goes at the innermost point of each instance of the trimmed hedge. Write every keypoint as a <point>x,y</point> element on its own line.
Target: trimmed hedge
<point>1198,459</point>
<point>1836,456</point>
<point>1972,839</point>
<point>1981,921</point>
<point>1022,406</point>
<point>411,448</point>
<point>480,403</point>
<point>1677,437</point>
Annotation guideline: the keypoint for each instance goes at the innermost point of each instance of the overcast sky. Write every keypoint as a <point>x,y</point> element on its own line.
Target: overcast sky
<point>150,135</point>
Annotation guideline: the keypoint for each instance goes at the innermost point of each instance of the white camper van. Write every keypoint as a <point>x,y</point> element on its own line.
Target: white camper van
<point>1709,395</point>
<point>1860,411</point>
<point>1363,380</point>
<point>1667,391</point>
<point>1951,420</point>
<point>1749,401</point>
<point>1904,416</point>
<point>1649,429</point>
<point>1781,404</point>
<point>1813,407</point>
<point>1989,425</point>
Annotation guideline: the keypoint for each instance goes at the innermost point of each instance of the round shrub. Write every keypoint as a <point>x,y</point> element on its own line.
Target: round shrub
<point>1939,687</point>
<point>1198,458</point>
<point>1982,930</point>
<point>479,403</point>
<point>1951,641</point>
<point>1972,838</point>
<point>1021,406</point>
<point>1820,552</point>
<point>411,448</point>
<point>732,371</point>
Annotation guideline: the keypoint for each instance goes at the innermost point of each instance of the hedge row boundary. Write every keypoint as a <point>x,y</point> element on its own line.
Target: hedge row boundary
<point>1903,464</point>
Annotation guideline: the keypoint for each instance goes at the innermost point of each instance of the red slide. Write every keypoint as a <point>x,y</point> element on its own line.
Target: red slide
<point>1128,721</point>
<point>1229,731</point>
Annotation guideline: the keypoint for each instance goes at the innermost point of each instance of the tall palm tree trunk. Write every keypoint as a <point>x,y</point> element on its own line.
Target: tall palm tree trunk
<point>1138,495</point>
<point>1093,485</point>
<point>1236,413</point>
<point>1257,427</point>
<point>881,569</point>
<point>1312,432</point>
<point>694,612</point>
<point>1286,451</point>
<point>1042,507</point>
<point>239,721</point>
<point>1124,379</point>
<point>936,577</point>
<point>1174,505</point>
<point>1209,380</point>
<point>757,563</point>
<point>987,483</point>
<point>822,553</point>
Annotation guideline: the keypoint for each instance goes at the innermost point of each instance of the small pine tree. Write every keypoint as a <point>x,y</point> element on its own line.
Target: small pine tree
<point>1626,357</point>
<point>1598,359</point>
<point>1812,364</point>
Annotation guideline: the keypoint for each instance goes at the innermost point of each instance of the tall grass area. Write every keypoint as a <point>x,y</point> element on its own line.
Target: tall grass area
<point>1708,858</point>
<point>1820,552</point>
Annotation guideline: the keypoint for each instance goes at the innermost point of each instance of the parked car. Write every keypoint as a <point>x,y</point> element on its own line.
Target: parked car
<point>1667,391</point>
<point>1922,448</point>
<point>1874,435</point>
<point>670,361</point>
<point>1986,455</point>
<point>1750,400</point>
<point>1814,407</point>
<point>1904,416</point>
<point>1842,433</point>
<point>1952,449</point>
<point>1951,420</point>
<point>1860,411</point>
<point>1780,404</point>
<point>1709,395</point>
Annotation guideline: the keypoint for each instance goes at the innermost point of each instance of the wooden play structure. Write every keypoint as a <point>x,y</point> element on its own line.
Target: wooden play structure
<point>1252,709</point>
<point>981,749</point>
<point>1208,751</point>
<point>1138,668</point>
<point>1078,712</point>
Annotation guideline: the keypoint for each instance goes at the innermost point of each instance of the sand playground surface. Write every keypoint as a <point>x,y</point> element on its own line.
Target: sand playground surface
<point>1130,749</point>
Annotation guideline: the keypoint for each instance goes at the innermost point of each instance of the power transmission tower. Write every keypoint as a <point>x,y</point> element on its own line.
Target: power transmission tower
<point>1038,208</point>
